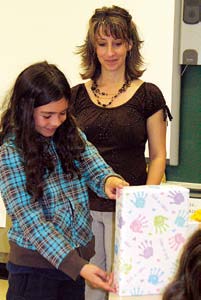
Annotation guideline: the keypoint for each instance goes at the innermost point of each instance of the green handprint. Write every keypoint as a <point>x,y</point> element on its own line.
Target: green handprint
<point>159,224</point>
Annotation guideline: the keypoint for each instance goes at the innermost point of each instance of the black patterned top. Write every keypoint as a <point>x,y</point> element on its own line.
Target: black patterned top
<point>119,133</point>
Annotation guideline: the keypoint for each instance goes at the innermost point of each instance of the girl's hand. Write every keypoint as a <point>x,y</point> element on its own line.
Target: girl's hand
<point>111,184</point>
<point>97,278</point>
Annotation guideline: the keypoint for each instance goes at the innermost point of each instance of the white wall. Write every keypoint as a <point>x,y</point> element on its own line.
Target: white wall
<point>35,30</point>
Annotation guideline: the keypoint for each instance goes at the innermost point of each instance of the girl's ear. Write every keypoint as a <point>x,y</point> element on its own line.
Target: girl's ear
<point>130,45</point>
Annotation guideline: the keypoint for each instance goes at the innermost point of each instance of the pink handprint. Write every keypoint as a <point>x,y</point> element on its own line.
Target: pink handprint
<point>176,241</point>
<point>138,224</point>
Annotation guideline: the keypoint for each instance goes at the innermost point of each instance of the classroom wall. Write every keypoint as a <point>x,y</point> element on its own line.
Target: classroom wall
<point>36,30</point>
<point>48,29</point>
<point>189,168</point>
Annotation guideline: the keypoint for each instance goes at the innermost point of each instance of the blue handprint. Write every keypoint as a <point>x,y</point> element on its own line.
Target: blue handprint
<point>181,218</point>
<point>139,201</point>
<point>137,291</point>
<point>155,275</point>
<point>116,249</point>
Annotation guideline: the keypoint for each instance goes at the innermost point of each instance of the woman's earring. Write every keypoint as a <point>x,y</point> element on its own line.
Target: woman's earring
<point>129,54</point>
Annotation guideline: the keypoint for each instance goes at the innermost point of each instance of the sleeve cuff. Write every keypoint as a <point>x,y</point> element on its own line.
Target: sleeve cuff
<point>72,264</point>
<point>111,175</point>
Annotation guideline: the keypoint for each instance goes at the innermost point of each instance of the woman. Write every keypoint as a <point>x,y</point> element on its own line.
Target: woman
<point>118,113</point>
<point>46,165</point>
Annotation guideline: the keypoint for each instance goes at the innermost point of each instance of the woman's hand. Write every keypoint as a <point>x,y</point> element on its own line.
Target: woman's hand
<point>112,183</point>
<point>97,278</point>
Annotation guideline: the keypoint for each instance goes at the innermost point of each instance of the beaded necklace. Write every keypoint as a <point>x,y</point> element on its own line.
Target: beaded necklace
<point>98,94</point>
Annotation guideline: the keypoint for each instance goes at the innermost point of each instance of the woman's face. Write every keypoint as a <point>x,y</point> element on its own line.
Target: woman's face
<point>111,52</point>
<point>49,117</point>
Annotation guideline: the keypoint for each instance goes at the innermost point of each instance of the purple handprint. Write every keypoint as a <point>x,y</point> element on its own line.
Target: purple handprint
<point>177,197</point>
<point>147,249</point>
<point>121,222</point>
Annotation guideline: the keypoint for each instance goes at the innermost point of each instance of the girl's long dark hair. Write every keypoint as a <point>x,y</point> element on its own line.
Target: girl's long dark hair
<point>37,85</point>
<point>187,282</point>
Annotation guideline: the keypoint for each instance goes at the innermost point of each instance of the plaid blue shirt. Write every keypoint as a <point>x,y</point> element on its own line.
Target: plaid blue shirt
<point>60,222</point>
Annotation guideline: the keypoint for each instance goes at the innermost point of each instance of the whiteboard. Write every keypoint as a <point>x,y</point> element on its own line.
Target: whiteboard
<point>36,30</point>
<point>190,46</point>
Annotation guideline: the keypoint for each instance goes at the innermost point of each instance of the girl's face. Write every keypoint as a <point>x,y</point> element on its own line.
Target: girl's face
<point>49,117</point>
<point>111,52</point>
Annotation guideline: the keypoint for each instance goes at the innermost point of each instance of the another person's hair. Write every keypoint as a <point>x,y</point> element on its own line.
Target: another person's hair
<point>40,84</point>
<point>115,21</point>
<point>187,282</point>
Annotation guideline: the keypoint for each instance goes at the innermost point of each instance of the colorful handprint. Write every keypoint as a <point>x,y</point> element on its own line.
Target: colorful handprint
<point>139,199</point>
<point>147,249</point>
<point>177,197</point>
<point>181,218</point>
<point>138,224</point>
<point>176,240</point>
<point>159,224</point>
<point>155,276</point>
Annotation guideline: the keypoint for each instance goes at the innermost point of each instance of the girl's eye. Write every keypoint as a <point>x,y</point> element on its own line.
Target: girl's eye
<point>46,117</point>
<point>63,113</point>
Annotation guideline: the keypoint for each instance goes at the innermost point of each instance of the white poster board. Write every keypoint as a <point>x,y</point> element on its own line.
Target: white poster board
<point>32,31</point>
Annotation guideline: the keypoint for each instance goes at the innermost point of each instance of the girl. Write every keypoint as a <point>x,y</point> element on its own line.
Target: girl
<point>46,164</point>
<point>187,282</point>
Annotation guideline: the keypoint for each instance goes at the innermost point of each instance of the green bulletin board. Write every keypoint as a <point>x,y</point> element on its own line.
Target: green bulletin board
<point>189,168</point>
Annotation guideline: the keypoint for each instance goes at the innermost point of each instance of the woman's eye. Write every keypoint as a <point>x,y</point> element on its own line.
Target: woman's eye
<point>117,44</point>
<point>46,117</point>
<point>101,44</point>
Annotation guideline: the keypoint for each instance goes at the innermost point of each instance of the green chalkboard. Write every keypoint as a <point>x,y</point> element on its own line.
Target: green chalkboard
<point>189,168</point>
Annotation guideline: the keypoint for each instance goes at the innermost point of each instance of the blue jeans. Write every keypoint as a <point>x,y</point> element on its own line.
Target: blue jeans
<point>39,287</point>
